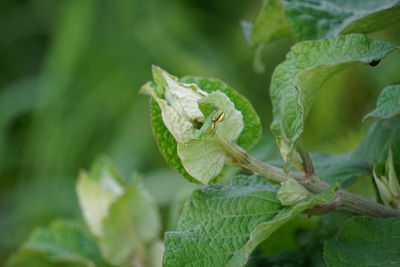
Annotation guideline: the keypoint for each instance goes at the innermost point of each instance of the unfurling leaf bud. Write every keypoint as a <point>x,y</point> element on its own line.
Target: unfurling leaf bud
<point>387,183</point>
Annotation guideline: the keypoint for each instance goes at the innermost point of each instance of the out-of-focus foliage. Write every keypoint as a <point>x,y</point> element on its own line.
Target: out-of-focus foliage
<point>69,76</point>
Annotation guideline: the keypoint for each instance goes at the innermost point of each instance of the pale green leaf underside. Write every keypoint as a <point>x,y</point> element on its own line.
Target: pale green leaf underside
<point>63,242</point>
<point>222,224</point>
<point>364,241</point>
<point>388,104</point>
<point>132,223</point>
<point>317,19</point>
<point>204,159</point>
<point>248,137</point>
<point>296,82</point>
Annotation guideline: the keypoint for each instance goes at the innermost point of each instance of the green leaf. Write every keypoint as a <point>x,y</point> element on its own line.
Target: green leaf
<point>291,192</point>
<point>270,24</point>
<point>166,142</point>
<point>122,215</point>
<point>382,135</point>
<point>252,126</point>
<point>248,137</point>
<point>312,20</point>
<point>364,241</point>
<point>205,159</point>
<point>329,18</point>
<point>96,192</point>
<point>296,82</point>
<point>132,224</point>
<point>222,224</point>
<point>62,242</point>
<point>388,104</point>
<point>343,169</point>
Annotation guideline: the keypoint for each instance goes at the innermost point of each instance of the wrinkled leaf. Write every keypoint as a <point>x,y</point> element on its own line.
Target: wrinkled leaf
<point>329,18</point>
<point>63,242</point>
<point>364,241</point>
<point>249,135</point>
<point>296,82</point>
<point>317,19</point>
<point>205,159</point>
<point>388,104</point>
<point>222,224</point>
<point>252,126</point>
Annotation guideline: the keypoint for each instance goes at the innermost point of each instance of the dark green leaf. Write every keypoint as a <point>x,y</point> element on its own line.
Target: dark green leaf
<point>317,19</point>
<point>364,241</point>
<point>339,168</point>
<point>328,18</point>
<point>222,224</point>
<point>382,135</point>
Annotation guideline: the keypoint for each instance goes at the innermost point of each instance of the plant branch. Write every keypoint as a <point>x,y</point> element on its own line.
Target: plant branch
<point>345,200</point>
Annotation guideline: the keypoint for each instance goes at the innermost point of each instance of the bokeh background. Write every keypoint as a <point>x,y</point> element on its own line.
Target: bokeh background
<point>70,71</point>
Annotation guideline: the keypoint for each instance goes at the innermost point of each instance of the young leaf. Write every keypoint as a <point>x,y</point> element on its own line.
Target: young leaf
<point>205,159</point>
<point>291,192</point>
<point>247,128</point>
<point>312,20</point>
<point>221,224</point>
<point>364,241</point>
<point>96,192</point>
<point>132,224</point>
<point>388,104</point>
<point>308,65</point>
<point>252,126</point>
<point>62,242</point>
<point>122,215</point>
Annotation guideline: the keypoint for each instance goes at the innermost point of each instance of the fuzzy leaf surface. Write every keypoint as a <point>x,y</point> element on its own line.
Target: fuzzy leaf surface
<point>222,224</point>
<point>296,82</point>
<point>364,241</point>
<point>168,146</point>
<point>63,242</point>
<point>311,20</point>
<point>318,19</point>
<point>388,104</point>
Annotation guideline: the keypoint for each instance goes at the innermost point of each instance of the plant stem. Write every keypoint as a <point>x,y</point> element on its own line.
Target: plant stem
<point>345,200</point>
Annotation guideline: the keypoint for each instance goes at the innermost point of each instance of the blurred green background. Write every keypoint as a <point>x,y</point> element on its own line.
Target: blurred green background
<point>70,71</point>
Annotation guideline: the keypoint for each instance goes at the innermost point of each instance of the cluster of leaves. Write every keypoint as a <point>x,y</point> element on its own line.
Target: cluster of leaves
<point>122,227</point>
<point>194,121</point>
<point>222,224</point>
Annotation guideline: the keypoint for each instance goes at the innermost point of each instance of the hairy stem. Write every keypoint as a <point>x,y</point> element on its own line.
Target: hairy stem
<point>345,200</point>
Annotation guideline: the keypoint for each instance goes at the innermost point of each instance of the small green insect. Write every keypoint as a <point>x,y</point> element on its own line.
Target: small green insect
<point>209,126</point>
